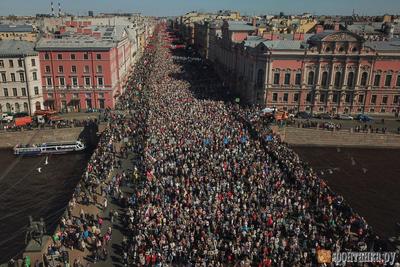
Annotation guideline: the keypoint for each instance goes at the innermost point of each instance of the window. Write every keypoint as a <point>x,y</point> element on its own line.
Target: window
<point>22,77</point>
<point>86,69</point>
<point>388,80</point>
<point>60,69</point>
<point>396,99</point>
<point>5,91</point>
<point>3,77</point>
<point>75,95</point>
<point>34,76</point>
<point>101,95</point>
<point>348,98</point>
<point>100,81</point>
<point>275,97</point>
<point>17,108</point>
<point>23,91</point>
<point>59,56</point>
<point>33,62</point>
<point>88,95</point>
<point>98,56</point>
<point>260,78</point>
<point>361,99</point>
<point>335,97</point>
<point>86,56</point>
<point>296,97</point>
<point>47,69</point>
<point>373,99</point>
<point>285,97</point>
<point>322,98</point>
<point>338,79</point>
<point>398,81</point>
<point>25,107</point>
<point>15,93</point>
<point>13,77</point>
<point>298,79</point>
<point>276,78</point>
<point>73,56</point>
<point>377,80</point>
<point>63,95</point>
<point>310,78</point>
<point>46,56</point>
<point>287,79</point>
<point>350,79</point>
<point>308,97</point>
<point>324,81</point>
<point>11,63</point>
<point>364,78</point>
<point>36,89</point>
<point>384,99</point>
<point>99,69</point>
<point>73,69</point>
<point>49,81</point>
<point>19,63</point>
<point>50,95</point>
<point>74,81</point>
<point>62,82</point>
<point>1,64</point>
<point>87,81</point>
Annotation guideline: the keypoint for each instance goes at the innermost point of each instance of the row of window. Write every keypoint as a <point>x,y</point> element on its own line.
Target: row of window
<point>338,79</point>
<point>15,91</point>
<point>21,77</point>
<point>336,97</point>
<point>74,81</point>
<point>71,56</point>
<point>19,63</point>
<point>75,95</point>
<point>99,69</point>
<point>9,108</point>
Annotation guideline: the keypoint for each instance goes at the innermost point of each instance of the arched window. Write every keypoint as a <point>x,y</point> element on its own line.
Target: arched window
<point>350,79</point>
<point>324,81</point>
<point>338,79</point>
<point>364,78</point>
<point>17,108</point>
<point>310,78</point>
<point>8,107</point>
<point>25,107</point>
<point>377,80</point>
<point>37,105</point>
<point>260,78</point>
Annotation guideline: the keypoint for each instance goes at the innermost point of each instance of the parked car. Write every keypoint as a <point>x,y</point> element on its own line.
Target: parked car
<point>303,115</point>
<point>364,118</point>
<point>325,116</point>
<point>6,118</point>
<point>344,117</point>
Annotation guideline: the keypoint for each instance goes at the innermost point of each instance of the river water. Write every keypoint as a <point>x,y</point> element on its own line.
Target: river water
<point>24,191</point>
<point>368,179</point>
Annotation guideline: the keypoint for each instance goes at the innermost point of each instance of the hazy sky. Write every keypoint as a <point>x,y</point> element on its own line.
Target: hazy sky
<point>177,7</point>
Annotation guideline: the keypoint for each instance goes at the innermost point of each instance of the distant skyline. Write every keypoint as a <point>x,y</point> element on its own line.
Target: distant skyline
<point>179,7</point>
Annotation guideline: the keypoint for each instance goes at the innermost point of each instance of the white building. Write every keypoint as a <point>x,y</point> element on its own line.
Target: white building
<point>20,78</point>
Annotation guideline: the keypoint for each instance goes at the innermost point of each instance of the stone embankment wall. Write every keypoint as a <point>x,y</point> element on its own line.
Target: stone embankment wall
<point>314,137</point>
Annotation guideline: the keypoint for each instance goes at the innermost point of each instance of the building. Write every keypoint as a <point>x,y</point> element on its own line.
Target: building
<point>85,70</point>
<point>18,32</point>
<point>20,77</point>
<point>332,71</point>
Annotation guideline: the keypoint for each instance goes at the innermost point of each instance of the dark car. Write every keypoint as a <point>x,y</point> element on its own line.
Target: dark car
<point>325,116</point>
<point>303,115</point>
<point>363,118</point>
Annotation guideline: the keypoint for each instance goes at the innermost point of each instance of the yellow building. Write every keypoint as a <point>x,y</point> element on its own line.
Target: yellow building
<point>18,33</point>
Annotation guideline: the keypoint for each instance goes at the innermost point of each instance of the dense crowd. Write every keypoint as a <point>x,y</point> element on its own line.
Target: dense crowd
<point>219,189</point>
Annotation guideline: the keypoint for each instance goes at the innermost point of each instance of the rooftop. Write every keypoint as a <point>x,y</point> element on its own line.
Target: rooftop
<point>384,46</point>
<point>16,48</point>
<point>15,28</point>
<point>75,43</point>
<point>240,26</point>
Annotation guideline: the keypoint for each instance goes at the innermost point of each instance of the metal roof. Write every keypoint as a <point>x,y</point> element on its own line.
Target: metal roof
<point>284,44</point>
<point>16,48</point>
<point>240,26</point>
<point>75,43</point>
<point>15,28</point>
<point>391,45</point>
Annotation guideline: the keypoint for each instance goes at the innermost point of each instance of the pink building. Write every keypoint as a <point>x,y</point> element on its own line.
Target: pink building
<point>85,70</point>
<point>331,71</point>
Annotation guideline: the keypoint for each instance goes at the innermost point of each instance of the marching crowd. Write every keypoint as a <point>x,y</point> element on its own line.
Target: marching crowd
<point>211,186</point>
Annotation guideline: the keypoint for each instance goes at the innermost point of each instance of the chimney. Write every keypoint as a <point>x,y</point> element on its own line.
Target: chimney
<point>319,29</point>
<point>336,27</point>
<point>59,9</point>
<point>52,9</point>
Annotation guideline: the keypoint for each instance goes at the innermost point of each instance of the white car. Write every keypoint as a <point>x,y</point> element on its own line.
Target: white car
<point>345,117</point>
<point>6,118</point>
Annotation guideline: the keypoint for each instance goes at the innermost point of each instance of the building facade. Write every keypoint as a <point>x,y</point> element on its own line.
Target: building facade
<point>20,78</point>
<point>332,71</point>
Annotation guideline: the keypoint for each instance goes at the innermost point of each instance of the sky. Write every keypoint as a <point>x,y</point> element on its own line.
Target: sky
<point>179,7</point>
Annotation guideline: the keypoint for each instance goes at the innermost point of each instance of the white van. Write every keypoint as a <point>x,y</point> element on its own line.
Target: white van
<point>6,118</point>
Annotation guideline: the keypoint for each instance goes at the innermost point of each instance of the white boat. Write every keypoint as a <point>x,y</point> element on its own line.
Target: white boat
<point>49,148</point>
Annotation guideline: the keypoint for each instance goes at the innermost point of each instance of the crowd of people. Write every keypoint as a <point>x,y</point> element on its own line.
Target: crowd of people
<point>218,189</point>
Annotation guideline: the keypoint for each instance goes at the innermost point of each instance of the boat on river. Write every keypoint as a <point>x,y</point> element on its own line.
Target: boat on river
<point>49,148</point>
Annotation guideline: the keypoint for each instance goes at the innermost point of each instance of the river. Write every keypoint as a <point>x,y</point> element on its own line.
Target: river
<point>24,191</point>
<point>368,179</point>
